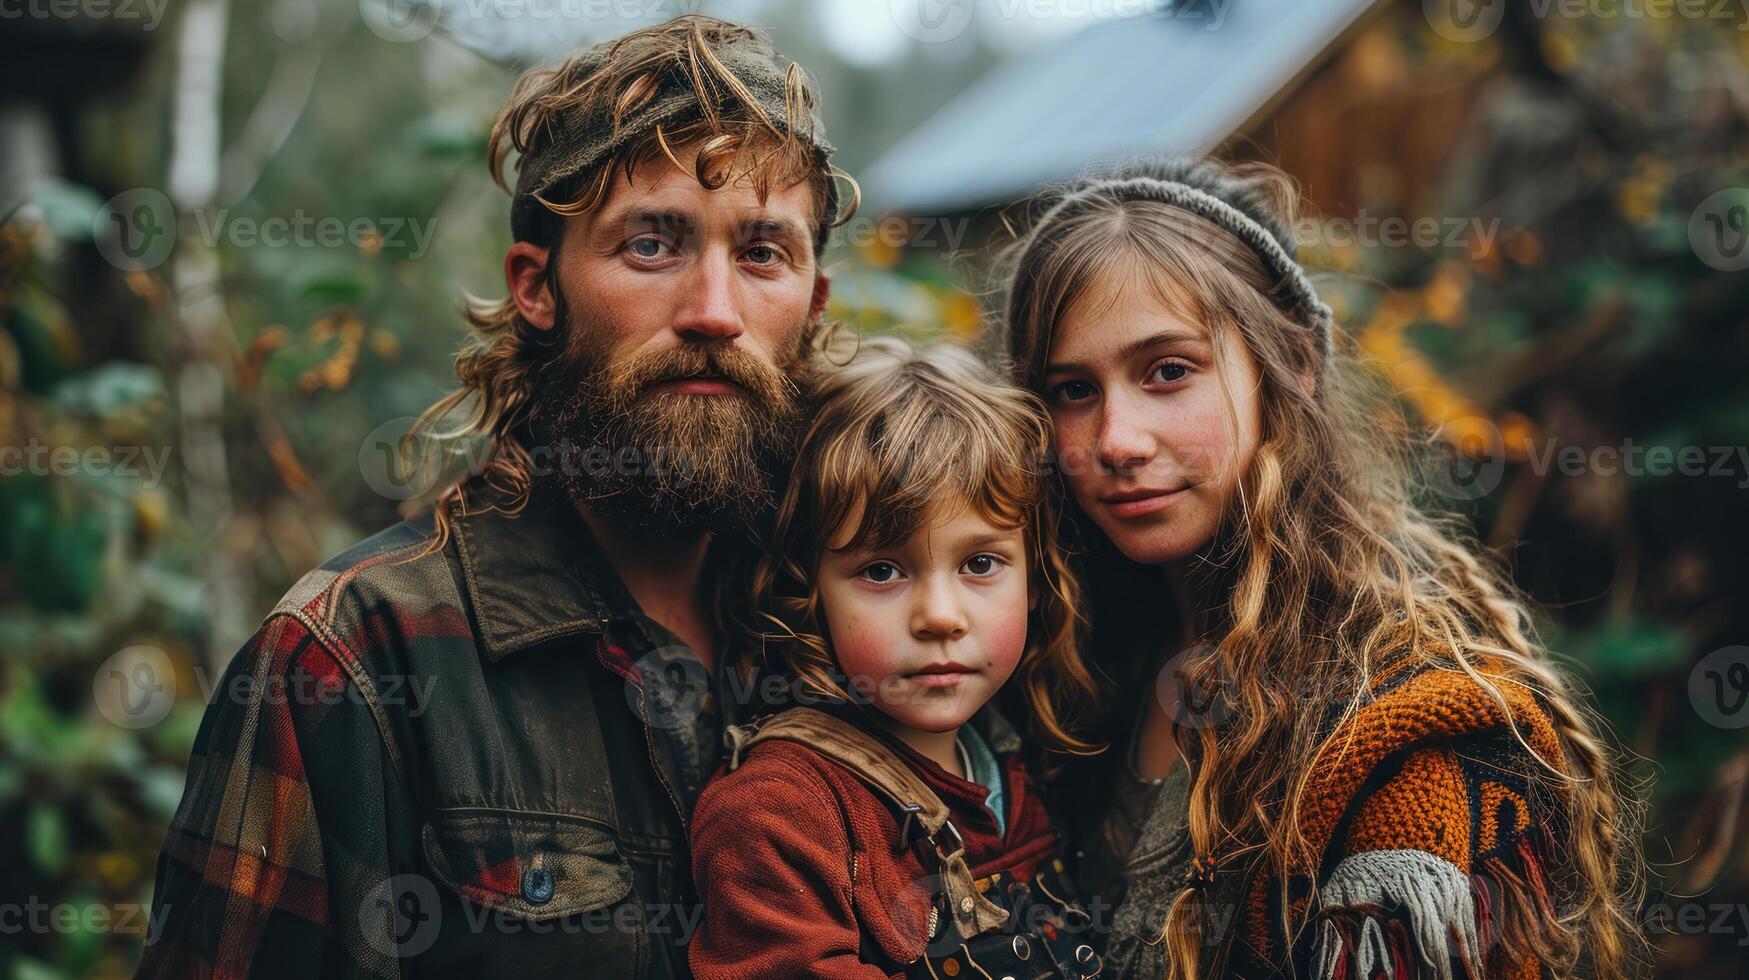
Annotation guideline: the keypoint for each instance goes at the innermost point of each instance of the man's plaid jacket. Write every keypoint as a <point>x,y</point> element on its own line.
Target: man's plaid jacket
<point>476,762</point>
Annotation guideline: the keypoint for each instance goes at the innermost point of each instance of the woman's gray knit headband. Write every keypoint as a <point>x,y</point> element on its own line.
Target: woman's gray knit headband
<point>1304,304</point>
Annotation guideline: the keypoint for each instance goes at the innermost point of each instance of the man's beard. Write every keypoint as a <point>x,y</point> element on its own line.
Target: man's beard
<point>668,462</point>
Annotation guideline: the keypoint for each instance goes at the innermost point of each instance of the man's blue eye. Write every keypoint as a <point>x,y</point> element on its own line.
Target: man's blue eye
<point>647,248</point>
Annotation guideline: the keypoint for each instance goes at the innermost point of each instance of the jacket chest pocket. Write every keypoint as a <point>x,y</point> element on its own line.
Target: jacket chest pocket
<point>531,895</point>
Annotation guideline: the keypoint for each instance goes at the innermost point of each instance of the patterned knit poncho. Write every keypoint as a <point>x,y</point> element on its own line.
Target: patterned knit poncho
<point>1435,847</point>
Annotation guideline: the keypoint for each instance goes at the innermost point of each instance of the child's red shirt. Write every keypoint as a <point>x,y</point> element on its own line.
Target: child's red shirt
<point>794,858</point>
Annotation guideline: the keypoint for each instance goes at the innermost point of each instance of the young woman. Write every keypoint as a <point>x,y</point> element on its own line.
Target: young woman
<point>1357,759</point>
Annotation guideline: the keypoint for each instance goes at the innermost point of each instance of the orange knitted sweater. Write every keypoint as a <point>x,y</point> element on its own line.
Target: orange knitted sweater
<point>1433,842</point>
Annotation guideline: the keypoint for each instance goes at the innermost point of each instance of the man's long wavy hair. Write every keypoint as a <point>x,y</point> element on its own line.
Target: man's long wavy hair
<point>734,138</point>
<point>1329,568</point>
<point>900,437</point>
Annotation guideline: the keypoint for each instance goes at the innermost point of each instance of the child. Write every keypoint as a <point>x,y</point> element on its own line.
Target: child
<point>893,830</point>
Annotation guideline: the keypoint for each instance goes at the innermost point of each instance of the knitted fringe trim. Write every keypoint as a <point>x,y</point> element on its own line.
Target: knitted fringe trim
<point>1407,913</point>
<point>1357,935</point>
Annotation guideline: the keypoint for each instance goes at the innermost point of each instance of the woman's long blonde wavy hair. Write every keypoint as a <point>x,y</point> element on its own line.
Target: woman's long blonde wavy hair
<point>1329,568</point>
<point>898,438</point>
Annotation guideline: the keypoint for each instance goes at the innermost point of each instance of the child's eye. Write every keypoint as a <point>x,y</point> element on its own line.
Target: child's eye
<point>982,565</point>
<point>881,572</point>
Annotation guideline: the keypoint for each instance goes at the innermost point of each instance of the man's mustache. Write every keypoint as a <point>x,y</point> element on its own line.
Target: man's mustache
<point>739,367</point>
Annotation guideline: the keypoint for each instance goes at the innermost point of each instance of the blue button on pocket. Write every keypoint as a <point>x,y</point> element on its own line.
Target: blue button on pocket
<point>537,886</point>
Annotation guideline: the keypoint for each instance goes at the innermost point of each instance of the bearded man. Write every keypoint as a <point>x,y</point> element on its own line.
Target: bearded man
<point>470,744</point>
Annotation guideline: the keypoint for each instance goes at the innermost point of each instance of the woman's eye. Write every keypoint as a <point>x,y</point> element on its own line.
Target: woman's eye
<point>1071,391</point>
<point>1168,371</point>
<point>881,572</point>
<point>648,247</point>
<point>982,565</point>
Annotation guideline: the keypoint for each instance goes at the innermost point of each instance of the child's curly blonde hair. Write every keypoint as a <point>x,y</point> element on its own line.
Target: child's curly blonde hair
<point>900,436</point>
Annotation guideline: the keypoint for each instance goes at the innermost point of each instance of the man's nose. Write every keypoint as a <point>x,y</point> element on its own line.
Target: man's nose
<point>710,310</point>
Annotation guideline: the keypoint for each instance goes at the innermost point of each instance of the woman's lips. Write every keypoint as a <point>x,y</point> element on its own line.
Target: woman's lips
<point>1137,503</point>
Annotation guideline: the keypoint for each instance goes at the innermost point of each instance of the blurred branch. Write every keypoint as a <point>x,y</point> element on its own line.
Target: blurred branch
<point>272,121</point>
<point>200,310</point>
<point>1724,816</point>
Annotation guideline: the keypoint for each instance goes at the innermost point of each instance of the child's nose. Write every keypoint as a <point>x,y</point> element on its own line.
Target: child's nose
<point>938,613</point>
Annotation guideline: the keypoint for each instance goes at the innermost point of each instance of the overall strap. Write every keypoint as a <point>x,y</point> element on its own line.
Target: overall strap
<point>888,775</point>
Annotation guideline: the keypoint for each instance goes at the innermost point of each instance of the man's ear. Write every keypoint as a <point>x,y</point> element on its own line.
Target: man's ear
<point>822,293</point>
<point>524,272</point>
